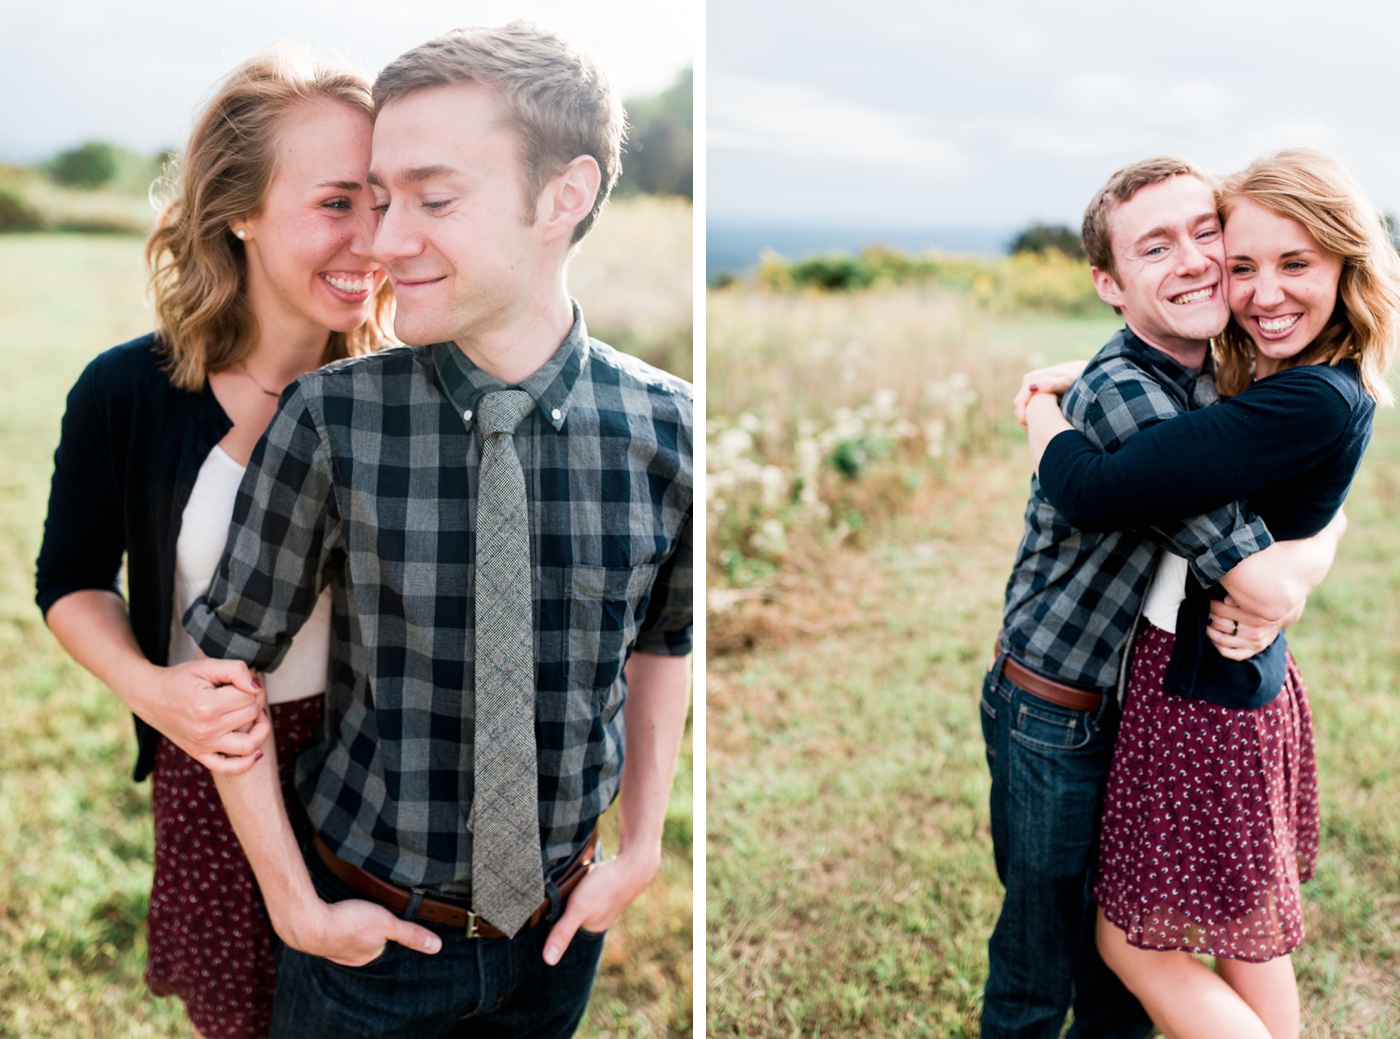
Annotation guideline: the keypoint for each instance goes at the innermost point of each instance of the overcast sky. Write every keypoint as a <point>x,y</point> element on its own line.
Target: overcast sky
<point>133,71</point>
<point>1005,111</point>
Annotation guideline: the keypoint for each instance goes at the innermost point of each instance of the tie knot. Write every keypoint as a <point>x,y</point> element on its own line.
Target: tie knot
<point>502,410</point>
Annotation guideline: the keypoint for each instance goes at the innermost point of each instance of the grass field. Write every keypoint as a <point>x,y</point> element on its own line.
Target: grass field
<point>75,866</point>
<point>850,880</point>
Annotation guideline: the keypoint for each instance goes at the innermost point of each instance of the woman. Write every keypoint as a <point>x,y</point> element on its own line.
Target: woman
<point>1210,820</point>
<point>260,272</point>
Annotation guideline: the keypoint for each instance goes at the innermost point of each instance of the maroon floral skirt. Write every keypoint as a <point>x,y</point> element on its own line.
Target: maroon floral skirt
<point>1210,821</point>
<point>208,934</point>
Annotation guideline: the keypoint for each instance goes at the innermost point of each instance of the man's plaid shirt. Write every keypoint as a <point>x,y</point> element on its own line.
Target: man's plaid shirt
<point>1073,596</point>
<point>366,482</point>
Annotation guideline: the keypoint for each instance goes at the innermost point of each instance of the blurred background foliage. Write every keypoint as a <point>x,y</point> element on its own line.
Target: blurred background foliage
<point>101,187</point>
<point>659,155</point>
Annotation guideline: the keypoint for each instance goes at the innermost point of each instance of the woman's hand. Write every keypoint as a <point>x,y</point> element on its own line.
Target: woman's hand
<point>1055,379</point>
<point>1238,634</point>
<point>213,710</point>
<point>210,709</point>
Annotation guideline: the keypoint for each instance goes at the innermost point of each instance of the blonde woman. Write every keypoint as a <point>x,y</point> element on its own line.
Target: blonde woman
<point>1211,820</point>
<point>260,271</point>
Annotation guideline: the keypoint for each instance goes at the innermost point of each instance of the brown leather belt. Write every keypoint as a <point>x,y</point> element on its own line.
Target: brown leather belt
<point>395,898</point>
<point>1047,689</point>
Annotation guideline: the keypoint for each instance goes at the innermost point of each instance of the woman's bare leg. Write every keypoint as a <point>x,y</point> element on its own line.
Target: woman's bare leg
<point>1270,989</point>
<point>1185,998</point>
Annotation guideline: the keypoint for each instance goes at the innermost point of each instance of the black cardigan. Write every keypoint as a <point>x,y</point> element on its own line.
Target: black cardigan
<point>130,450</point>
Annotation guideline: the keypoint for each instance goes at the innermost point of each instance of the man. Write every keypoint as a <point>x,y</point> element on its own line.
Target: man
<point>1153,237</point>
<point>504,519</point>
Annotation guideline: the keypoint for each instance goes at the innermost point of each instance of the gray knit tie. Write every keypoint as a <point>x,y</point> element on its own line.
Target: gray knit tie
<point>507,878</point>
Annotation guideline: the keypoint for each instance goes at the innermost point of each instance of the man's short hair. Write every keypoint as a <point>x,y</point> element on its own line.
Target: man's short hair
<point>559,100</point>
<point>1123,185</point>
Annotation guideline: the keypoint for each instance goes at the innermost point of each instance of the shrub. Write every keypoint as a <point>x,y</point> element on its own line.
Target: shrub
<point>660,142</point>
<point>1049,281</point>
<point>90,165</point>
<point>1042,238</point>
<point>16,214</point>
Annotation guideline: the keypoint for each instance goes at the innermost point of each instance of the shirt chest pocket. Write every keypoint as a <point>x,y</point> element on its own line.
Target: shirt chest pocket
<point>603,607</point>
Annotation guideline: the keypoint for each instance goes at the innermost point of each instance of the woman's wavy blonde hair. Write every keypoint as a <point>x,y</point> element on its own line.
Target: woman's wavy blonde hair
<point>198,269</point>
<point>1314,189</point>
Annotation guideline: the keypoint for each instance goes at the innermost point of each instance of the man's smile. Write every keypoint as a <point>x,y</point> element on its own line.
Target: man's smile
<point>1195,296</point>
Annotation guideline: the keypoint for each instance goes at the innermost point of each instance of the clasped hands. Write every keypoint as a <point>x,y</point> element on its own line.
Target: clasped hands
<point>1054,379</point>
<point>213,710</point>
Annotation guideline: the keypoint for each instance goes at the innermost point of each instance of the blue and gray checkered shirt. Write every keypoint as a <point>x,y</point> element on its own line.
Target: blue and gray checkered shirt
<point>1073,596</point>
<point>366,482</point>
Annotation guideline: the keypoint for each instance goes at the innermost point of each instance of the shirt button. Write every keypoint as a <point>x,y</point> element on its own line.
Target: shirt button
<point>556,414</point>
<point>467,414</point>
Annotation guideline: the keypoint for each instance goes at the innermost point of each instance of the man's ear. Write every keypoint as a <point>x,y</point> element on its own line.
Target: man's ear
<point>1107,288</point>
<point>569,197</point>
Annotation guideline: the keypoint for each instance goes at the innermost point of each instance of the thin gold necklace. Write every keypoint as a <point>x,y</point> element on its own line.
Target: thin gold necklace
<point>270,393</point>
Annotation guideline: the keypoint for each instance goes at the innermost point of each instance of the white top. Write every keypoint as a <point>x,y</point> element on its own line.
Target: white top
<point>1166,592</point>
<point>203,534</point>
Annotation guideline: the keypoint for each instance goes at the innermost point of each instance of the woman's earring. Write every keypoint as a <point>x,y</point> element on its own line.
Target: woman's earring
<point>241,233</point>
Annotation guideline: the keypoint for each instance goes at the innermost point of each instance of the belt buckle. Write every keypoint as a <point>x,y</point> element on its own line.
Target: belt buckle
<point>472,930</point>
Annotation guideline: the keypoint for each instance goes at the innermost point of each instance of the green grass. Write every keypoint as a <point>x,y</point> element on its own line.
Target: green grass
<point>850,880</point>
<point>75,866</point>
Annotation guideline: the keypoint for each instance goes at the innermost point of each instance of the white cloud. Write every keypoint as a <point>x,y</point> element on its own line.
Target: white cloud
<point>1144,102</point>
<point>1292,133</point>
<point>747,113</point>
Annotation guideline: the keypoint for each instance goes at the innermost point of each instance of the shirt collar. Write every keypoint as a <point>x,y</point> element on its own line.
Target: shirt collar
<point>552,385</point>
<point>1197,387</point>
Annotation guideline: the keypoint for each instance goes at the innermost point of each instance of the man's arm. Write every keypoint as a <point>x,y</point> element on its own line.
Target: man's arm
<point>282,549</point>
<point>352,932</point>
<point>1269,590</point>
<point>279,554</point>
<point>658,693</point>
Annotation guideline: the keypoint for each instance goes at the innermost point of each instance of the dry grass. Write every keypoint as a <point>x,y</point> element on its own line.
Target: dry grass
<point>632,276</point>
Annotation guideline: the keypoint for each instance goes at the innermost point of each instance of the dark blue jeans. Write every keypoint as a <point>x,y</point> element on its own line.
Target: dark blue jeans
<point>1049,767</point>
<point>485,988</point>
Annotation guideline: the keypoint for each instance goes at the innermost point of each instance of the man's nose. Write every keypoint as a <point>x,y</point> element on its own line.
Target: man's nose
<point>393,238</point>
<point>1192,258</point>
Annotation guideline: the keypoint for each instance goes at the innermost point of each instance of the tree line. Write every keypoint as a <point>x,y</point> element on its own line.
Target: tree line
<point>658,159</point>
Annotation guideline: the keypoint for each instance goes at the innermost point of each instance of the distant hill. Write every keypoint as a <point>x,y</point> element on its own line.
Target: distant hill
<point>734,246</point>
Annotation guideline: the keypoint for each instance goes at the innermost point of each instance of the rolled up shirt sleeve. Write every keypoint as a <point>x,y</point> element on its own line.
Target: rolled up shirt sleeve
<point>284,545</point>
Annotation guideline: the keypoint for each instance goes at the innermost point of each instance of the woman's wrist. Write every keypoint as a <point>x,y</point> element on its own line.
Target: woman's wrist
<point>1044,406</point>
<point>1043,423</point>
<point>133,678</point>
